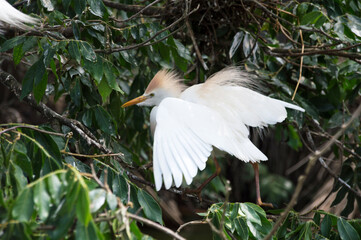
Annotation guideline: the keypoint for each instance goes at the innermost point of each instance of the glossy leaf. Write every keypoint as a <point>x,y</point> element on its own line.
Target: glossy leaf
<point>104,120</point>
<point>87,51</point>
<point>83,207</point>
<point>74,51</point>
<point>326,226</point>
<point>241,228</point>
<point>23,206</point>
<point>42,200</point>
<point>11,43</point>
<point>347,232</point>
<point>97,199</point>
<point>150,206</point>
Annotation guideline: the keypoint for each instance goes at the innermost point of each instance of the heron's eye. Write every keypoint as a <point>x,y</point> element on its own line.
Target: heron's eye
<point>151,95</point>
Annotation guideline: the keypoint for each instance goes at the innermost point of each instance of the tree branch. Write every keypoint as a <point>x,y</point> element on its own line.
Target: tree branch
<point>323,164</point>
<point>147,42</point>
<point>135,8</point>
<point>155,225</point>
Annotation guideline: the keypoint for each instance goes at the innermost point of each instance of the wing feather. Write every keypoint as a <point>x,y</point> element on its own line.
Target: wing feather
<point>228,93</point>
<point>187,131</point>
<point>172,164</point>
<point>157,172</point>
<point>185,168</point>
<point>185,140</point>
<point>190,164</point>
<point>162,161</point>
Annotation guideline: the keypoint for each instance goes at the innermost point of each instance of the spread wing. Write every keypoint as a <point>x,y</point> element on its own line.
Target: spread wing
<point>228,93</point>
<point>184,135</point>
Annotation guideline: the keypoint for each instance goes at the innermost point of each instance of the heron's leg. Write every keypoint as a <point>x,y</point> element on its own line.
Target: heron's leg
<point>258,191</point>
<point>200,188</point>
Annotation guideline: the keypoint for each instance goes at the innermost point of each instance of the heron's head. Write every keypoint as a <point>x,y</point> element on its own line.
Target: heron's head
<point>164,84</point>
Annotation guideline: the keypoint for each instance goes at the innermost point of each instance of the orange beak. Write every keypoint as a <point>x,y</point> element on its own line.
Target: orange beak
<point>134,101</point>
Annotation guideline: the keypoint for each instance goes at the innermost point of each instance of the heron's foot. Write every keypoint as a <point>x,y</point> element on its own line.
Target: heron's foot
<point>197,192</point>
<point>262,204</point>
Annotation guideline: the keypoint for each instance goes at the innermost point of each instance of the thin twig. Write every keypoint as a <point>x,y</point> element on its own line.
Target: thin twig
<point>190,223</point>
<point>195,45</point>
<point>95,177</point>
<point>301,63</point>
<point>135,8</point>
<point>140,11</point>
<point>312,160</point>
<point>33,128</point>
<point>147,42</point>
<point>155,225</point>
<point>323,164</point>
<point>92,155</point>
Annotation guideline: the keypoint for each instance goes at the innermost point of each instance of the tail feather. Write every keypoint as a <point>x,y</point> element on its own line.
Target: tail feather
<point>13,17</point>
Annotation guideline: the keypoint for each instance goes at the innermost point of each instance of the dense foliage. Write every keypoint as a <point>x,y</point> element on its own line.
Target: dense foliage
<point>84,171</point>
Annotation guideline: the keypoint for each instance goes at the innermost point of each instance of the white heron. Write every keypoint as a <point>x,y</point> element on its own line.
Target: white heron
<point>188,122</point>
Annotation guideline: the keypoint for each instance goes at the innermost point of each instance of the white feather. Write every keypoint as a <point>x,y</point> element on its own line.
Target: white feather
<point>13,17</point>
<point>194,128</point>
<point>181,163</point>
<point>216,113</point>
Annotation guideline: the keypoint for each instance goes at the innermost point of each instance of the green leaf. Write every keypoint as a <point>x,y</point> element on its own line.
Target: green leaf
<point>97,199</point>
<point>306,231</point>
<point>79,6</point>
<point>326,226</point>
<point>241,228</point>
<point>119,186</point>
<point>250,213</point>
<point>87,51</point>
<point>237,39</point>
<point>135,230</point>
<point>112,201</point>
<point>24,162</point>
<point>110,76</point>
<point>354,23</point>
<point>76,30</point>
<point>294,139</point>
<point>96,7</point>
<point>95,69</point>
<point>42,200</point>
<point>257,208</point>
<point>12,43</point>
<point>104,120</point>
<point>104,90</point>
<point>39,89</point>
<point>54,187</point>
<point>50,148</point>
<point>48,55</point>
<point>134,32</point>
<point>76,93</point>
<point>234,212</point>
<point>311,17</point>
<point>346,231</point>
<point>87,232</point>
<point>182,50</point>
<point>18,176</point>
<point>18,54</point>
<point>83,207</point>
<point>23,206</point>
<point>87,117</point>
<point>150,206</point>
<point>73,49</point>
<point>32,77</point>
